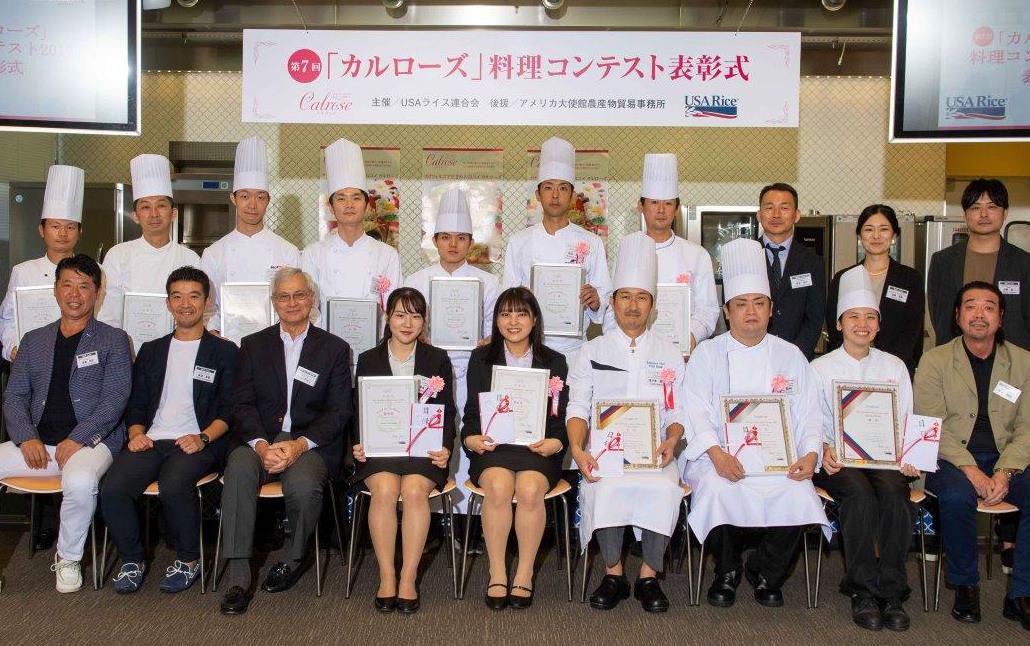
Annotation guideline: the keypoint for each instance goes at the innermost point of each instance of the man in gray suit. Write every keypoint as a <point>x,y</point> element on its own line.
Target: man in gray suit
<point>68,389</point>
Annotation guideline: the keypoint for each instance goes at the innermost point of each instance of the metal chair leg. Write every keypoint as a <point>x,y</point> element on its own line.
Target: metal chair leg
<point>586,567</point>
<point>937,579</point>
<point>318,560</point>
<point>354,522</point>
<point>200,525</point>
<point>469,519</point>
<point>93,548</point>
<point>146,526</point>
<point>690,563</point>
<point>990,547</point>
<point>700,575</point>
<point>336,519</point>
<point>922,561</point>
<point>808,577</point>
<point>818,568</point>
<point>218,551</point>
<point>568,549</point>
<point>449,509</point>
<point>557,537</point>
<point>32,525</point>
<point>103,559</point>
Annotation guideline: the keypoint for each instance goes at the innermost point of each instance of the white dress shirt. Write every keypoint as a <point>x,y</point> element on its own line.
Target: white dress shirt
<point>135,266</point>
<point>175,415</point>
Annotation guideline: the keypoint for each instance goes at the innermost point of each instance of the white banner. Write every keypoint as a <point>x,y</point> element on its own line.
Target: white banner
<point>552,78</point>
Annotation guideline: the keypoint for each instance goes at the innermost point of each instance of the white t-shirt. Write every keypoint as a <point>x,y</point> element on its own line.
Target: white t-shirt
<point>175,414</point>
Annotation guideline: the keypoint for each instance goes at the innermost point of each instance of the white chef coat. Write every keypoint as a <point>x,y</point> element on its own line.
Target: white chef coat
<point>31,273</point>
<point>722,366</point>
<point>877,366</point>
<point>606,367</point>
<point>534,245</point>
<point>239,258</point>
<point>351,271</point>
<point>679,261</point>
<point>136,266</point>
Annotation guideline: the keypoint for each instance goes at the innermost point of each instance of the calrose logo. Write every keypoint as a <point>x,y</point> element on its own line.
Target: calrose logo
<point>304,66</point>
<point>325,102</point>
<point>716,105</point>
<point>983,106</point>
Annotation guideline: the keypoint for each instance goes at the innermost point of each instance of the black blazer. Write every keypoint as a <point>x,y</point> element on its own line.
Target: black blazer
<point>317,412</point>
<point>479,376</point>
<point>211,401</point>
<point>798,313</point>
<point>901,322</point>
<point>430,361</point>
<point>944,280</point>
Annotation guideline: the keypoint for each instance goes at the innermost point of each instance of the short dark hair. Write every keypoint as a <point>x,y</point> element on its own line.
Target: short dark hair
<point>999,336</point>
<point>883,210</point>
<point>410,299</point>
<point>167,197</point>
<point>518,299</point>
<point>994,189</point>
<point>188,274</point>
<point>779,186</point>
<point>80,263</point>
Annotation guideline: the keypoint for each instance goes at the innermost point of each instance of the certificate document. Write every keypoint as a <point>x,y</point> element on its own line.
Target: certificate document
<point>356,321</point>
<point>384,405</point>
<point>556,287</point>
<point>636,421</point>
<point>246,309</point>
<point>759,421</point>
<point>455,312</point>
<point>866,425</point>
<point>673,314</point>
<point>34,307</point>
<point>527,390</point>
<point>145,317</point>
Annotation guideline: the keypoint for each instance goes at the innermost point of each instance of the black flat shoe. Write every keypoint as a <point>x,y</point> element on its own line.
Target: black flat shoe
<point>650,595</point>
<point>765,593</point>
<point>967,604</point>
<point>408,606</point>
<point>385,604</point>
<point>865,612</point>
<point>1017,609</point>
<point>612,590</point>
<point>236,601</point>
<point>281,577</point>
<point>723,591</point>
<point>520,603</point>
<point>894,616</point>
<point>496,603</point>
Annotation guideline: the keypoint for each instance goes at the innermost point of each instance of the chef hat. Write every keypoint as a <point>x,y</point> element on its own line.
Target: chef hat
<point>453,215</point>
<point>637,265</point>
<point>743,269</point>
<point>251,167</point>
<point>557,161</point>
<point>344,166</point>
<point>660,177</point>
<point>63,197</point>
<point>856,290</point>
<point>150,176</point>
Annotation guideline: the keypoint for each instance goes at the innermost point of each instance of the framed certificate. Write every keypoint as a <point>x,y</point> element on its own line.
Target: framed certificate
<point>145,317</point>
<point>34,307</point>
<point>527,388</point>
<point>672,317</point>
<point>635,422</point>
<point>384,405</point>
<point>866,424</point>
<point>356,321</point>
<point>455,312</point>
<point>246,309</point>
<point>556,287</point>
<point>759,425</point>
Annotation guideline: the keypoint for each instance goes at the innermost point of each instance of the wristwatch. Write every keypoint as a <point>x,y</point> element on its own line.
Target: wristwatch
<point>1008,472</point>
<point>205,439</point>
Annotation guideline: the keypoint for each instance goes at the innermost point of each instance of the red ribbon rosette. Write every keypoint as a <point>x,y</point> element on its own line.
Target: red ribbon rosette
<point>432,389</point>
<point>668,377</point>
<point>554,388</point>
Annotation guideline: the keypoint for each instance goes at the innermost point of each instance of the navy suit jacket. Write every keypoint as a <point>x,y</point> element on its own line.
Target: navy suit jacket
<point>798,312</point>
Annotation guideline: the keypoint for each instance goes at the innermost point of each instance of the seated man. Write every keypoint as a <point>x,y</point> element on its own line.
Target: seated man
<point>984,454</point>
<point>291,402</point>
<point>178,415</point>
<point>747,360</point>
<point>629,362</point>
<point>64,403</point>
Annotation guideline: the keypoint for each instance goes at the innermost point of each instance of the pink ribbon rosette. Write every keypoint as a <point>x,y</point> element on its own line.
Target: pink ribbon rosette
<point>668,377</point>
<point>432,389</point>
<point>581,252</point>
<point>554,388</point>
<point>382,287</point>
<point>780,384</point>
<point>683,279</point>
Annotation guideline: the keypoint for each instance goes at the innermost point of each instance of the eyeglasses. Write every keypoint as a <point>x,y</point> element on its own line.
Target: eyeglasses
<point>283,297</point>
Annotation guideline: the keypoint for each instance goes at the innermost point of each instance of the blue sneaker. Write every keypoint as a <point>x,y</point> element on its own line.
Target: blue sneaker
<point>129,578</point>
<point>179,576</point>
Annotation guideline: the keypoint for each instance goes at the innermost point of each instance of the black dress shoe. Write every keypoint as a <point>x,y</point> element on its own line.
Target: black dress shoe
<point>613,589</point>
<point>44,539</point>
<point>894,616</point>
<point>236,601</point>
<point>865,612</point>
<point>407,606</point>
<point>1018,609</point>
<point>967,604</point>
<point>281,577</point>
<point>385,604</point>
<point>496,603</point>
<point>516,602</point>
<point>650,595</point>
<point>723,591</point>
<point>765,593</point>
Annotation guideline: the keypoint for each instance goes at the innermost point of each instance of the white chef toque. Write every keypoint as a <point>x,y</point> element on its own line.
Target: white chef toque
<point>557,161</point>
<point>743,269</point>
<point>344,166</point>
<point>62,199</point>
<point>661,177</point>
<point>251,167</point>
<point>453,215</point>
<point>856,290</point>
<point>638,264</point>
<point>150,176</point>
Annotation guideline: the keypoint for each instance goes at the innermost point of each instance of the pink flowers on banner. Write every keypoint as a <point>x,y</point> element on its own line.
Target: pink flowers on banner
<point>780,384</point>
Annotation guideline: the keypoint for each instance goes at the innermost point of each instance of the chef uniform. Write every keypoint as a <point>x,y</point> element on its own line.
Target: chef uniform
<point>368,268</point>
<point>453,217</point>
<point>62,200</point>
<point>237,257</point>
<point>613,366</point>
<point>136,266</point>
<point>721,366</point>
<point>679,260</point>
<point>571,243</point>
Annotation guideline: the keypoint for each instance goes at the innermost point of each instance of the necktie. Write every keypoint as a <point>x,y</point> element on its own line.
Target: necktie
<point>777,266</point>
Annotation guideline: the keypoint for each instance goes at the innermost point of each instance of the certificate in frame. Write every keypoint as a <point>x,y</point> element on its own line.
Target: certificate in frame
<point>637,422</point>
<point>246,308</point>
<point>384,405</point>
<point>672,314</point>
<point>34,307</point>
<point>527,388</point>
<point>768,417</point>
<point>866,426</point>
<point>455,312</point>
<point>145,317</point>
<point>356,321</point>
<point>557,287</point>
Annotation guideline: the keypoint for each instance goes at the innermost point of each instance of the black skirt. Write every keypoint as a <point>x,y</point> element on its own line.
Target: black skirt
<point>516,458</point>
<point>400,467</point>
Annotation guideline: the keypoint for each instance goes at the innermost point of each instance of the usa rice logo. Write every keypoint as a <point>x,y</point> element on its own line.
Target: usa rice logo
<point>715,106</point>
<point>976,107</point>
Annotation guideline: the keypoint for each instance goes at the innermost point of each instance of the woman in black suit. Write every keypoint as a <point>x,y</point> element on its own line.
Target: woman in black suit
<point>902,297</point>
<point>504,470</point>
<point>401,354</point>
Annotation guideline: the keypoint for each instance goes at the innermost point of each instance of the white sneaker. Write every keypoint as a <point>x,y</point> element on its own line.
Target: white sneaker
<point>69,574</point>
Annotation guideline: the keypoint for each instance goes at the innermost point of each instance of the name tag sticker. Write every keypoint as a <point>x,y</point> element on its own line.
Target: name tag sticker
<point>800,280</point>
<point>200,373</point>
<point>1005,391</point>
<point>653,371</point>
<point>87,359</point>
<point>1009,287</point>
<point>305,376</point>
<point>897,294</point>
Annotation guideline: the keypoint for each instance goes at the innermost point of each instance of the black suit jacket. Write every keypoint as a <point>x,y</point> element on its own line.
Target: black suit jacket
<point>798,313</point>
<point>317,412</point>
<point>944,280</point>
<point>211,401</point>
<point>901,322</point>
